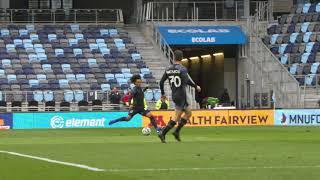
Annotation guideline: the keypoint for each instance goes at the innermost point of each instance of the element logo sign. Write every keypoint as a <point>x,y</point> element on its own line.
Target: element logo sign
<point>57,122</point>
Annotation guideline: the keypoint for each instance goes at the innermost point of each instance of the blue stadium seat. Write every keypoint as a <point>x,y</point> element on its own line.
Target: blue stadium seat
<point>30,27</point>
<point>121,46</point>
<point>28,46</point>
<point>59,52</point>
<point>145,71</point>
<point>65,67</point>
<point>109,76</point>
<point>306,8</point>
<point>127,76</point>
<point>11,77</point>
<point>48,96</point>
<point>314,68</point>
<point>125,70</point>
<point>80,77</point>
<point>5,32</point>
<point>79,36</point>
<point>306,37</point>
<point>105,87</point>
<point>100,41</point>
<point>63,82</point>
<point>304,57</point>
<point>33,82</point>
<point>42,57</point>
<point>78,95</point>
<point>104,32</point>
<point>73,42</point>
<point>41,77</point>
<point>6,62</point>
<point>10,47</point>
<point>93,46</point>
<point>17,42</point>
<point>136,56</point>
<point>117,76</point>
<point>52,37</point>
<point>77,52</point>
<point>282,48</point>
<point>27,41</point>
<point>122,81</point>
<point>2,72</point>
<point>34,37</point>
<point>293,68</point>
<point>46,67</point>
<point>304,27</point>
<point>70,77</point>
<point>113,32</point>
<point>309,79</point>
<point>274,38</point>
<point>157,94</point>
<point>38,96</point>
<point>23,32</point>
<point>38,46</point>
<point>102,46</point>
<point>74,27</point>
<point>148,94</point>
<point>68,96</point>
<point>92,61</point>
<point>309,47</point>
<point>105,51</point>
<point>284,59</point>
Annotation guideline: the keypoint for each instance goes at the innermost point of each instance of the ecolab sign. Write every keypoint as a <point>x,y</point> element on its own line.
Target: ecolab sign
<point>201,31</point>
<point>59,122</point>
<point>298,117</point>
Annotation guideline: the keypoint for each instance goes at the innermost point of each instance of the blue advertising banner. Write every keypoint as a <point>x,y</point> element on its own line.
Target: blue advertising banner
<point>297,117</point>
<point>6,121</point>
<point>202,35</point>
<point>72,120</point>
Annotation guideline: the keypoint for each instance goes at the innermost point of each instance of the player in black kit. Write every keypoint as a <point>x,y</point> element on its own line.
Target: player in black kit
<point>138,105</point>
<point>178,79</point>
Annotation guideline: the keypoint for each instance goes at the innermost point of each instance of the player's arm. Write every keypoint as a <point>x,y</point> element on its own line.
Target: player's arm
<point>189,81</point>
<point>163,79</point>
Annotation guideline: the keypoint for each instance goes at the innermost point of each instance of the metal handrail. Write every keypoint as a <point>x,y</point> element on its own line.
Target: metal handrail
<point>60,15</point>
<point>166,11</point>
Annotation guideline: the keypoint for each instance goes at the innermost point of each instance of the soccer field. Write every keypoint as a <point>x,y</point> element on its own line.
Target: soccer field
<point>223,153</point>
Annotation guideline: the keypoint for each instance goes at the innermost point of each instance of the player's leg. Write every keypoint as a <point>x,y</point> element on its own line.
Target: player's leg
<point>152,120</point>
<point>154,124</point>
<point>182,122</point>
<point>127,118</point>
<point>172,123</point>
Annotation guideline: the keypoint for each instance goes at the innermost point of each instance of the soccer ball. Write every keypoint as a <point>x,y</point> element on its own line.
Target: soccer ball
<point>146,131</point>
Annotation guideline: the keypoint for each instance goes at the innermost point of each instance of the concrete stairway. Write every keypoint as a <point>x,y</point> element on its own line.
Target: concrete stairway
<point>151,55</point>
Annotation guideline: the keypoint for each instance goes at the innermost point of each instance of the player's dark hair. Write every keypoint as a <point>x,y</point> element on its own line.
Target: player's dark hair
<point>178,55</point>
<point>135,77</point>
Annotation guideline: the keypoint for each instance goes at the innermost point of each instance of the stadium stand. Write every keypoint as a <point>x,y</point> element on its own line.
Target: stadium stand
<point>295,41</point>
<point>67,64</point>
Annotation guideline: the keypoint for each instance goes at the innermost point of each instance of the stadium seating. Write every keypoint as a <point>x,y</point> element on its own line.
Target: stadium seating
<point>72,58</point>
<point>295,40</point>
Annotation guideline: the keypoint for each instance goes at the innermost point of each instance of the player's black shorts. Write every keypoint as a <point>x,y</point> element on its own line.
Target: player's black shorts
<point>133,112</point>
<point>181,103</point>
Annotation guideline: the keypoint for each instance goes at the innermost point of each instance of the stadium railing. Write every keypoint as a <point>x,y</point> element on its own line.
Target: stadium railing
<point>196,11</point>
<point>61,16</point>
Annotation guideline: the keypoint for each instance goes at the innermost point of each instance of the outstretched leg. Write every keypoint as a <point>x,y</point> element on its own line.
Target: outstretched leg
<point>128,118</point>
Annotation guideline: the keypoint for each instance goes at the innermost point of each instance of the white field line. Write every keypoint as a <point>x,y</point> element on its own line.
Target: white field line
<point>157,169</point>
<point>53,161</point>
<point>211,168</point>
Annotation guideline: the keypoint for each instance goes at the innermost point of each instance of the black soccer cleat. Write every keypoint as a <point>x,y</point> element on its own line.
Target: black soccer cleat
<point>176,136</point>
<point>162,138</point>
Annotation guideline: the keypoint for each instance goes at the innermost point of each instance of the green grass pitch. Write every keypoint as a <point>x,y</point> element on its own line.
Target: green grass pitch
<point>222,153</point>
